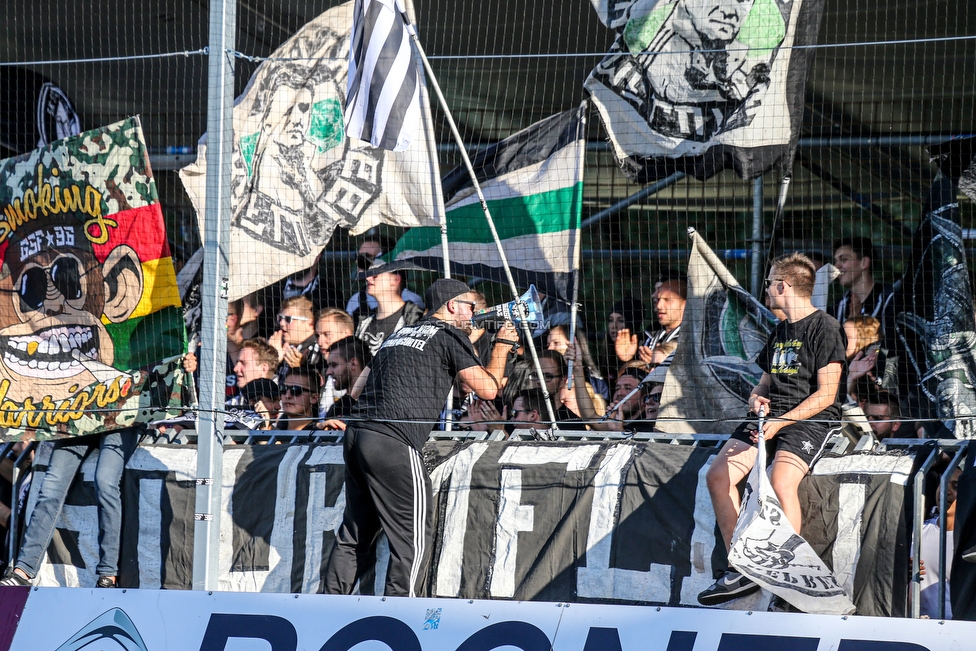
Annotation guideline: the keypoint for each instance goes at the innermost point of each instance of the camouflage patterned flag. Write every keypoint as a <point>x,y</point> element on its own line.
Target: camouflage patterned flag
<point>296,176</point>
<point>90,323</point>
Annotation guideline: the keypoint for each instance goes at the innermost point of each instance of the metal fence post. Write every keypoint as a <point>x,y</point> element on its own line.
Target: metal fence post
<point>220,134</point>
<point>943,508</point>
<point>919,517</point>
<point>756,266</point>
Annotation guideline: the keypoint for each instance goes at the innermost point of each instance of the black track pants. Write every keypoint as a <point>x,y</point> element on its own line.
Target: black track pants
<point>386,486</point>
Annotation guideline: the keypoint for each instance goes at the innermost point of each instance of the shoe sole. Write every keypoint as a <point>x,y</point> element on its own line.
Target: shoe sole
<point>717,598</point>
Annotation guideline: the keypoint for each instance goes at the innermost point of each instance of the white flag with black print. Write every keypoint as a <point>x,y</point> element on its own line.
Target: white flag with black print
<point>383,98</point>
<point>766,549</point>
<point>296,174</point>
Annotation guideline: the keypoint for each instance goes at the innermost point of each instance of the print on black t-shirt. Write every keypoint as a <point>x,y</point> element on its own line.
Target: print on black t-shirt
<point>786,358</point>
<point>794,354</point>
<point>409,380</point>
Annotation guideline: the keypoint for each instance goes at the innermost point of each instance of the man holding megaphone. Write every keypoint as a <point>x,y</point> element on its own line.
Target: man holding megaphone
<point>400,397</point>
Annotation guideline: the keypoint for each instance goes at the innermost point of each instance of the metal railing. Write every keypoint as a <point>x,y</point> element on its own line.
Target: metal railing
<point>931,449</point>
<point>928,448</point>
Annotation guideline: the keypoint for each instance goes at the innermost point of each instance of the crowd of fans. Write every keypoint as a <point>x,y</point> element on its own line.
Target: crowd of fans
<point>294,354</point>
<point>296,350</point>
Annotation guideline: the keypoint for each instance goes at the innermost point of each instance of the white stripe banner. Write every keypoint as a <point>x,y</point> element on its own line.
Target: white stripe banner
<point>383,103</point>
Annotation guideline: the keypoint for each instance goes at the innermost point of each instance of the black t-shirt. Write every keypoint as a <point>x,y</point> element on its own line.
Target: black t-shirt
<point>409,380</point>
<point>379,330</point>
<point>794,354</point>
<point>342,407</point>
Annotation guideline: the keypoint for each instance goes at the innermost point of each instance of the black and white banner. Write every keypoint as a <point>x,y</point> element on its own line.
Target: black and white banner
<point>590,521</point>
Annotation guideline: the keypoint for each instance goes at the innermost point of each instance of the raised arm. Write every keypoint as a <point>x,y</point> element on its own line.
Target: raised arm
<point>487,380</point>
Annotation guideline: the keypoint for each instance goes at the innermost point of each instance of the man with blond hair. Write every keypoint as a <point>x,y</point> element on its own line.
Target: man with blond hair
<point>331,325</point>
<point>295,338</point>
<point>800,395</point>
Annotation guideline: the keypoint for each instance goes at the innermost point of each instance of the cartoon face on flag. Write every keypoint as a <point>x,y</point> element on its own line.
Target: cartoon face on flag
<point>89,307</point>
<point>687,76</point>
<point>295,174</point>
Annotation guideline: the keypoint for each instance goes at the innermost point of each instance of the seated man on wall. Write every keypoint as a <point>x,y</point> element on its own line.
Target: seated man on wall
<point>800,393</point>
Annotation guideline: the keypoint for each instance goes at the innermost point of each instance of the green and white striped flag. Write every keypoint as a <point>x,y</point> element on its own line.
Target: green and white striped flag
<point>533,183</point>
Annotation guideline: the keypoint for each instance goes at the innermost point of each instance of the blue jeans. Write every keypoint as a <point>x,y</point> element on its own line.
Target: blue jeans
<point>114,449</point>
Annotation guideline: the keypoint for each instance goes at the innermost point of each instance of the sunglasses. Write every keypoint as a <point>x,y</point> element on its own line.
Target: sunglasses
<point>653,398</point>
<point>65,272</point>
<point>294,390</point>
<point>288,319</point>
<point>768,282</point>
<point>471,303</point>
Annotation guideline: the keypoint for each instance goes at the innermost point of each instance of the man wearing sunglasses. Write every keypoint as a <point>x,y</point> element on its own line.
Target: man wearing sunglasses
<point>299,399</point>
<point>800,391</point>
<point>400,397</point>
<point>295,339</point>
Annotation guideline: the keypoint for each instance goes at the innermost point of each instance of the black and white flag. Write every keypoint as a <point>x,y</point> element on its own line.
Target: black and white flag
<point>296,173</point>
<point>698,85</point>
<point>600,521</point>
<point>767,550</point>
<point>383,99</point>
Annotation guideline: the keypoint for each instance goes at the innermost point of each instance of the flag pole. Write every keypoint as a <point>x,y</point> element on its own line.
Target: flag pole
<point>435,167</point>
<point>577,237</point>
<point>526,331</point>
<point>435,181</point>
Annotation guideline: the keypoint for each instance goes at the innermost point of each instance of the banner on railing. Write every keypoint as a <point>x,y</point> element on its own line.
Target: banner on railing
<point>611,521</point>
<point>90,322</point>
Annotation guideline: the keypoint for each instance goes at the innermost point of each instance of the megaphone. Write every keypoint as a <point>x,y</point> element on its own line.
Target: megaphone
<point>527,307</point>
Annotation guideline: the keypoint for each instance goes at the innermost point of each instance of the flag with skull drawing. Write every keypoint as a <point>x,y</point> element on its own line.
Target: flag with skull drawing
<point>767,550</point>
<point>91,332</point>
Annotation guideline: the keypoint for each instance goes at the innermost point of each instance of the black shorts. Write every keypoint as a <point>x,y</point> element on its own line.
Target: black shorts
<point>805,439</point>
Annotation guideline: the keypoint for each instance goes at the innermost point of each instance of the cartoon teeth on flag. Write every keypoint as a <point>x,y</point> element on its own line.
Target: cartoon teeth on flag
<point>767,550</point>
<point>714,367</point>
<point>534,188</point>
<point>91,330</point>
<point>690,83</point>
<point>296,175</point>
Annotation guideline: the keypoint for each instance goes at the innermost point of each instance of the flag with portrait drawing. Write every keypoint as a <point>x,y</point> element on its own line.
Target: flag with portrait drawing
<point>700,85</point>
<point>296,176</point>
<point>90,320</point>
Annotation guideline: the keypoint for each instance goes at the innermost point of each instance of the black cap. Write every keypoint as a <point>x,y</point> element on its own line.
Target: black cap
<point>260,388</point>
<point>441,291</point>
<point>378,266</point>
